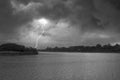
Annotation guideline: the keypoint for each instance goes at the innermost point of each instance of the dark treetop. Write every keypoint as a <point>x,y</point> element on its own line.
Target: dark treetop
<point>15,49</point>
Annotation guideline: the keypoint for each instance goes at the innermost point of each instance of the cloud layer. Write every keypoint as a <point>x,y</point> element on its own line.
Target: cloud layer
<point>84,22</point>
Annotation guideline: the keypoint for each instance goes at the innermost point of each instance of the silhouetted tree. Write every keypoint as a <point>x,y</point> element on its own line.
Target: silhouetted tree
<point>18,48</point>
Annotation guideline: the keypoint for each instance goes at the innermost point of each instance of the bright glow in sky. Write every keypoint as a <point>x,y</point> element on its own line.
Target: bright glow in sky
<point>40,28</point>
<point>43,21</point>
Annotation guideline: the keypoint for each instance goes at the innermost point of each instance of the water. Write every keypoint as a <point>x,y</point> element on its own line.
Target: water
<point>61,66</point>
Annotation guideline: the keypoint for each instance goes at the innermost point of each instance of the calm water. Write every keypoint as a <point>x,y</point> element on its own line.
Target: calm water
<point>61,66</point>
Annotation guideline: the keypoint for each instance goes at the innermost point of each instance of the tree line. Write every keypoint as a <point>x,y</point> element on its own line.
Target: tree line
<point>8,47</point>
<point>97,48</point>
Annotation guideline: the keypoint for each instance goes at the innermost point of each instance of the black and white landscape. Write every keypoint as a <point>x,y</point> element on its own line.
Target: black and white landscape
<point>59,40</point>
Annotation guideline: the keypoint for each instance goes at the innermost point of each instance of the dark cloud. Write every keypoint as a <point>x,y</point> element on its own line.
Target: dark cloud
<point>77,11</point>
<point>109,15</point>
<point>9,22</point>
<point>115,3</point>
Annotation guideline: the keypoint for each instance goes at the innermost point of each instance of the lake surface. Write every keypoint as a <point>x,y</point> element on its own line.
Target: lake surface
<point>61,66</point>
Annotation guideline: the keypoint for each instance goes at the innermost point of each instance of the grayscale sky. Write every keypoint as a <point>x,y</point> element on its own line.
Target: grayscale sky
<point>65,22</point>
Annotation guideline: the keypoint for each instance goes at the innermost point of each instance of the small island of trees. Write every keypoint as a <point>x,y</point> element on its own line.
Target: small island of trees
<point>15,49</point>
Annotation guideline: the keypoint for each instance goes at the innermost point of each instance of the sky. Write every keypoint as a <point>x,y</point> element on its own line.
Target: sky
<point>59,22</point>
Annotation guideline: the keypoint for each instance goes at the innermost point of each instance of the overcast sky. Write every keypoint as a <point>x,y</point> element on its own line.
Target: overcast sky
<point>70,22</point>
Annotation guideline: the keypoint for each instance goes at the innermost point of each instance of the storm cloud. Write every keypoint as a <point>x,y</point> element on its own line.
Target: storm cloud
<point>89,21</point>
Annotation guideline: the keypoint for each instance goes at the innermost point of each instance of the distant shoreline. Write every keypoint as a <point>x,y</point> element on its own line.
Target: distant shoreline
<point>77,52</point>
<point>12,53</point>
<point>108,48</point>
